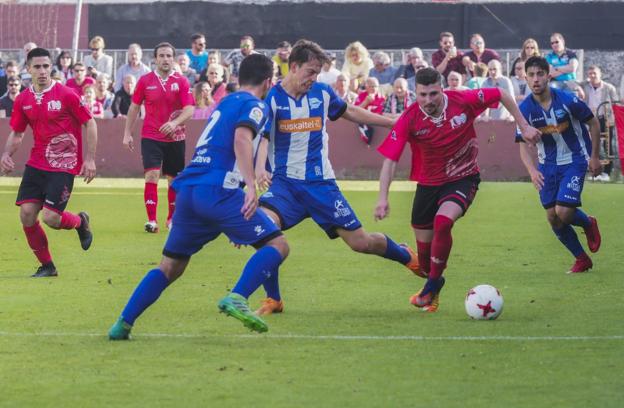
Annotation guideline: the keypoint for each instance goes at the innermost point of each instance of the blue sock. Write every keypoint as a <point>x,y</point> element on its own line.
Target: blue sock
<point>144,295</point>
<point>580,219</point>
<point>396,252</point>
<point>271,286</point>
<point>569,239</point>
<point>259,268</point>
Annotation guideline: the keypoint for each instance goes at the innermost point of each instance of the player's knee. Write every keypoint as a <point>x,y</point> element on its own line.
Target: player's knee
<point>553,219</point>
<point>281,245</point>
<point>51,219</point>
<point>152,176</point>
<point>28,217</point>
<point>360,244</point>
<point>172,268</point>
<point>564,214</point>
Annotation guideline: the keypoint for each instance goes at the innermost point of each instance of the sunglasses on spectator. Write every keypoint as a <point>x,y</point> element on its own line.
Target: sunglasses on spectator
<point>202,44</point>
<point>477,42</point>
<point>245,46</point>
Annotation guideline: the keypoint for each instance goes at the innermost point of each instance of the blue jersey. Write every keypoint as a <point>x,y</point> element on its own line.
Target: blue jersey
<point>565,139</point>
<point>297,131</point>
<point>214,161</point>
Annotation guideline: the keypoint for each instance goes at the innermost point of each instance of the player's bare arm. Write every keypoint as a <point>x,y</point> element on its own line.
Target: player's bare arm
<point>263,177</point>
<point>133,114</point>
<point>537,178</point>
<point>12,144</point>
<point>529,133</point>
<point>382,210</point>
<point>358,115</point>
<point>168,128</point>
<point>88,166</point>
<point>595,167</point>
<point>243,150</point>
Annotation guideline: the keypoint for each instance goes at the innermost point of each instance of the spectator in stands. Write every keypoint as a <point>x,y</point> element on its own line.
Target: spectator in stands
<point>80,79</point>
<point>123,97</point>
<point>215,82</point>
<point>455,82</point>
<point>357,64</point>
<point>373,100</point>
<point>133,67</point>
<point>341,87</point>
<point>103,94</point>
<point>478,53</point>
<point>383,70</point>
<point>204,105</point>
<point>14,84</point>
<point>189,73</point>
<point>198,57</point>
<point>529,49</point>
<point>235,57</point>
<point>29,46</point>
<point>281,58</point>
<point>480,73</point>
<point>415,62</point>
<point>11,69</point>
<point>518,80</point>
<point>98,62</point>
<point>214,57</point>
<point>91,102</point>
<point>448,58</point>
<point>399,100</point>
<point>63,66</point>
<point>563,64</point>
<point>496,79</point>
<point>329,72</point>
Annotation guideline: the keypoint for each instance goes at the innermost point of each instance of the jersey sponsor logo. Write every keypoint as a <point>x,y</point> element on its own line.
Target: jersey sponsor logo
<point>151,87</point>
<point>300,125</point>
<point>558,128</point>
<point>575,184</point>
<point>62,152</point>
<point>284,108</point>
<point>421,132</point>
<point>54,106</point>
<point>201,160</point>
<point>175,87</point>
<point>341,210</point>
<point>315,103</point>
<point>256,115</point>
<point>201,152</point>
<point>258,230</point>
<point>26,107</point>
<point>457,121</point>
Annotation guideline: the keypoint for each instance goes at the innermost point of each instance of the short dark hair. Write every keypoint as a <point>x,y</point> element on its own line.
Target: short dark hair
<point>428,76</point>
<point>163,45</point>
<point>14,78</point>
<point>284,44</point>
<point>255,69</point>
<point>537,61</point>
<point>197,36</point>
<point>38,52</point>
<point>306,50</point>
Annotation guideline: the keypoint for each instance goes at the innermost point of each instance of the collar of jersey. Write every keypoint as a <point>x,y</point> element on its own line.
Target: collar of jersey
<point>32,88</point>
<point>440,119</point>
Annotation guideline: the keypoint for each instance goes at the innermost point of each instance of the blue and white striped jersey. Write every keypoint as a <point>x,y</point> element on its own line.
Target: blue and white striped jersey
<point>565,138</point>
<point>297,131</point>
<point>214,161</point>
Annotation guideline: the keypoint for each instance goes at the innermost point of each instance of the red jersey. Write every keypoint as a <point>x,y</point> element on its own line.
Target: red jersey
<point>443,150</point>
<point>376,106</point>
<point>55,116</point>
<point>164,100</point>
<point>79,89</point>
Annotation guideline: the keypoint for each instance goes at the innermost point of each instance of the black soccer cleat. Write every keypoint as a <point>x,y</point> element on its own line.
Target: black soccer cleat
<point>45,271</point>
<point>84,231</point>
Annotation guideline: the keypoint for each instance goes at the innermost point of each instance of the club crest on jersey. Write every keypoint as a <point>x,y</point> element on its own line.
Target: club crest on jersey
<point>393,135</point>
<point>560,114</point>
<point>457,121</point>
<point>315,103</point>
<point>175,87</point>
<point>256,115</point>
<point>54,106</point>
<point>481,96</point>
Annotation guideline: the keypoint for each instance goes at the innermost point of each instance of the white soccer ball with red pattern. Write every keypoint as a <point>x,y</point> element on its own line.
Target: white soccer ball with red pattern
<point>484,302</point>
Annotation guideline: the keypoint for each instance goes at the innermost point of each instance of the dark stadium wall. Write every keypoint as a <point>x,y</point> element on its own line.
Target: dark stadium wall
<point>595,25</point>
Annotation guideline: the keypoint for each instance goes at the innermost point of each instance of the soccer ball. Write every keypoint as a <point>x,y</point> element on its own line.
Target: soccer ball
<point>484,302</point>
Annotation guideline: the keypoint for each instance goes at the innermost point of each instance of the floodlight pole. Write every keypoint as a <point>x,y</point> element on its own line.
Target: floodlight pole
<point>76,29</point>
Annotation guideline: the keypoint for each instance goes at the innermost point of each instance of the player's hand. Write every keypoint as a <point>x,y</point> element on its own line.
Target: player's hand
<point>382,210</point>
<point>595,167</point>
<point>88,170</point>
<point>263,179</point>
<point>168,129</point>
<point>251,203</point>
<point>6,164</point>
<point>537,178</point>
<point>128,142</point>
<point>531,135</point>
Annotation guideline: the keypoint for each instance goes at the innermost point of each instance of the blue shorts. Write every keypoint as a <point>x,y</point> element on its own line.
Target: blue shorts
<point>295,200</point>
<point>204,212</point>
<point>563,184</point>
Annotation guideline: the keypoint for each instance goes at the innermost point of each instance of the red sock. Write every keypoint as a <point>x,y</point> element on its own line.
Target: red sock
<point>441,245</point>
<point>150,194</point>
<point>70,221</point>
<point>171,196</point>
<point>38,242</point>
<point>424,255</point>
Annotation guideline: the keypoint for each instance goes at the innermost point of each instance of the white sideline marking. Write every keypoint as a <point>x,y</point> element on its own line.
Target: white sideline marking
<point>327,337</point>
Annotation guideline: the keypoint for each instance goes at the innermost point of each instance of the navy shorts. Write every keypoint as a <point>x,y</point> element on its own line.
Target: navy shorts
<point>563,184</point>
<point>168,155</point>
<point>204,212</point>
<point>295,200</point>
<point>50,188</point>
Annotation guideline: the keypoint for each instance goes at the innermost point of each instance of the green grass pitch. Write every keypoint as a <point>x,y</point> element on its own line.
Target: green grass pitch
<point>348,336</point>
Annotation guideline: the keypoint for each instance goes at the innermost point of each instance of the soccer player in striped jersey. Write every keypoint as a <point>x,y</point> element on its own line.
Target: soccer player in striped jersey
<point>565,152</point>
<point>303,183</point>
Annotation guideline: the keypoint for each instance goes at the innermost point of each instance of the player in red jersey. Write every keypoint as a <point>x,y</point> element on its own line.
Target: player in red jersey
<point>168,104</point>
<point>56,116</point>
<point>440,131</point>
